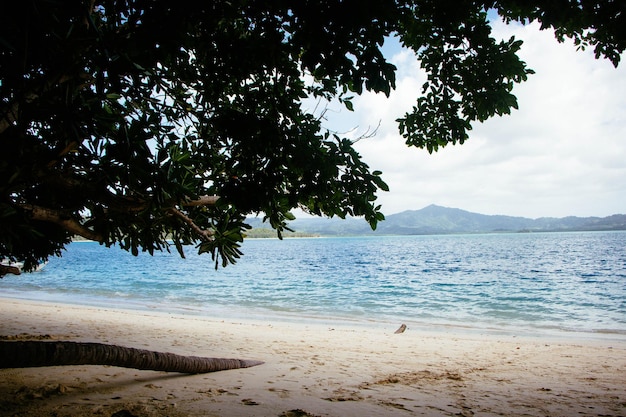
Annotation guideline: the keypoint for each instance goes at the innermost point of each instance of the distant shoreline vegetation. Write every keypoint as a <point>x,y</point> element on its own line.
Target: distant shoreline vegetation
<point>438,220</point>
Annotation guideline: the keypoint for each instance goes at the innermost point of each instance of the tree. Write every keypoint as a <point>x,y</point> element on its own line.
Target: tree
<point>134,122</point>
<point>143,122</point>
<point>27,354</point>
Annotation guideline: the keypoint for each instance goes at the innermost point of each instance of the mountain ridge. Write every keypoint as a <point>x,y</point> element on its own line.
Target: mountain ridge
<point>434,219</point>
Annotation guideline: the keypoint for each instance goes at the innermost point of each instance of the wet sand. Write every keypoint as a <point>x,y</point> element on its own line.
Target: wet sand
<point>310,369</point>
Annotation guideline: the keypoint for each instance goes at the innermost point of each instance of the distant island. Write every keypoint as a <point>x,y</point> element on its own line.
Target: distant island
<point>435,219</point>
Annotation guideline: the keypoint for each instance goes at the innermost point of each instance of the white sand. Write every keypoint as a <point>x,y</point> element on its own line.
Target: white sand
<point>310,369</point>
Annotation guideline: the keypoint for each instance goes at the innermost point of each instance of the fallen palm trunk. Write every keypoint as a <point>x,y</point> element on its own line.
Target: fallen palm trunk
<point>28,354</point>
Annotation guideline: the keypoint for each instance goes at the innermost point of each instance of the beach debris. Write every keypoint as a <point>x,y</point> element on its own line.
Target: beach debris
<point>249,401</point>
<point>297,413</point>
<point>401,329</point>
<point>41,392</point>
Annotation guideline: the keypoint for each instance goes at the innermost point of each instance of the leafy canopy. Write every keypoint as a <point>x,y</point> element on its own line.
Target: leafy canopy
<point>143,122</point>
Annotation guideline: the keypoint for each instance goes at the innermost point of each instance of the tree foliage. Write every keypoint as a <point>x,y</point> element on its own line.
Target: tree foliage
<point>141,123</point>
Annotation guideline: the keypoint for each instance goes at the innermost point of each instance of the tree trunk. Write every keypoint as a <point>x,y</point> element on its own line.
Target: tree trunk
<point>27,354</point>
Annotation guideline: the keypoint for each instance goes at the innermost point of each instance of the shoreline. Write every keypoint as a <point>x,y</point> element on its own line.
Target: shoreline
<point>288,317</point>
<point>311,369</point>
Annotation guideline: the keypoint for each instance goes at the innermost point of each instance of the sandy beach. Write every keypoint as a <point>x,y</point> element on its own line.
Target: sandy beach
<point>310,369</point>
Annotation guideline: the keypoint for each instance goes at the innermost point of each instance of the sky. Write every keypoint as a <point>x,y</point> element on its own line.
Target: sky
<point>563,153</point>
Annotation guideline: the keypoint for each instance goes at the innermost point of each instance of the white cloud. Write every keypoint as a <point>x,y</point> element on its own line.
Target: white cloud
<point>562,153</point>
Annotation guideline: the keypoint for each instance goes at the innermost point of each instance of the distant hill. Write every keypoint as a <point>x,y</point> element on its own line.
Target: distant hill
<point>435,219</point>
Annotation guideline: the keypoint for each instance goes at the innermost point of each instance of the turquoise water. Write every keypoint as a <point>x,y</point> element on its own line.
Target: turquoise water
<point>543,282</point>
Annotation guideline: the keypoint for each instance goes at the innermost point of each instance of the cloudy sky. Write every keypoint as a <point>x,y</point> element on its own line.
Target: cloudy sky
<point>562,153</point>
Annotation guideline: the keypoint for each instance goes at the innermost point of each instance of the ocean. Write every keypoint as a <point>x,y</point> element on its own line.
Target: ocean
<point>521,283</point>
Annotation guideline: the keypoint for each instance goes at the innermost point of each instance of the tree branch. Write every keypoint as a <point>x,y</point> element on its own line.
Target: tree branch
<point>10,115</point>
<point>112,201</point>
<point>8,269</point>
<point>68,223</point>
<point>132,205</point>
<point>205,234</point>
<point>205,200</point>
<point>73,225</point>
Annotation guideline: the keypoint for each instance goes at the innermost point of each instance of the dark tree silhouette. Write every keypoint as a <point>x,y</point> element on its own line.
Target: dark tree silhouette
<point>141,123</point>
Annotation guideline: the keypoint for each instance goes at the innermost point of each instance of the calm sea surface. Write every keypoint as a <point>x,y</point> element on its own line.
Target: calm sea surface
<point>536,282</point>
